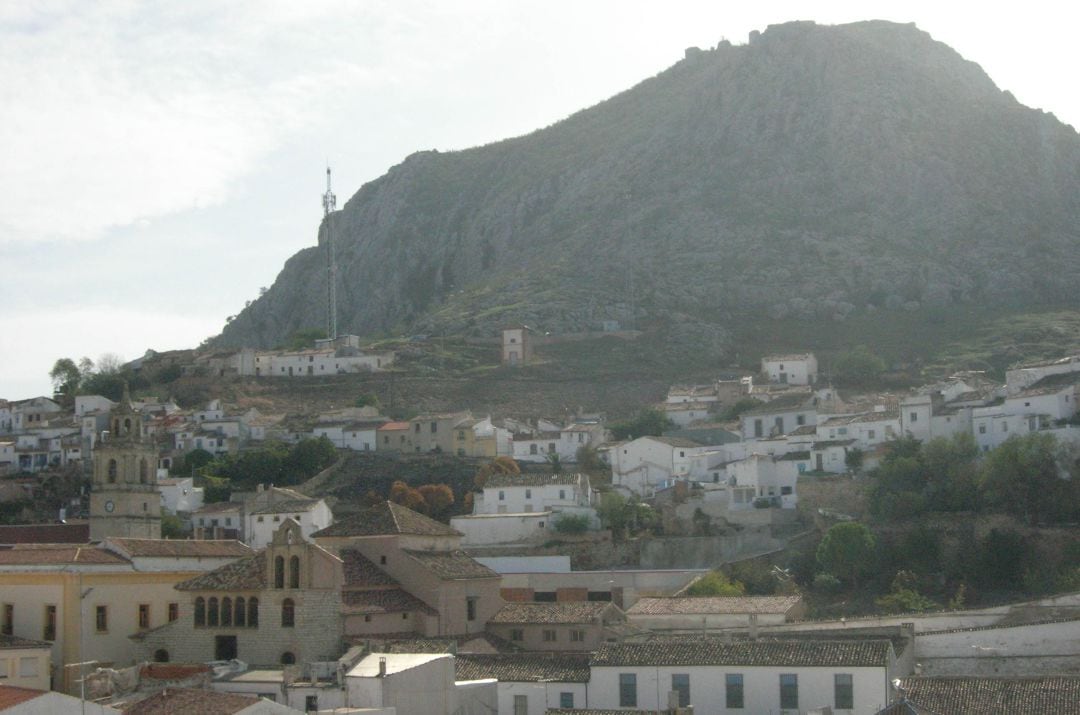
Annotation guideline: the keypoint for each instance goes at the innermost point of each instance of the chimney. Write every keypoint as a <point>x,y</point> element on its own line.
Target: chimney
<point>382,667</point>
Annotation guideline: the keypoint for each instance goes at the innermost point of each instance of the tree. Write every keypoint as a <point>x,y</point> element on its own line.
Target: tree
<point>648,422</point>
<point>438,498</point>
<point>572,524</point>
<point>368,399</point>
<point>715,583</point>
<point>109,364</point>
<point>309,457</point>
<point>172,526</point>
<point>304,338</point>
<point>853,460</point>
<point>588,459</point>
<point>1023,477</point>
<point>555,462</point>
<point>847,551</point>
<point>401,493</point>
<point>858,366</point>
<point>65,376</point>
<point>191,462</point>
<point>499,465</point>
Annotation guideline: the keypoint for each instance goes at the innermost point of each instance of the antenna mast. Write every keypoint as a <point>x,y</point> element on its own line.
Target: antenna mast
<point>329,202</point>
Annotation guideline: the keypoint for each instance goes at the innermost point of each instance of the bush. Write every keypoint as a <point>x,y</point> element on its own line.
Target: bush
<point>572,524</point>
<point>715,583</point>
<point>826,583</point>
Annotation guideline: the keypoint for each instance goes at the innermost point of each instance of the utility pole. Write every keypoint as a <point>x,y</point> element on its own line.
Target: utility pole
<point>329,202</point>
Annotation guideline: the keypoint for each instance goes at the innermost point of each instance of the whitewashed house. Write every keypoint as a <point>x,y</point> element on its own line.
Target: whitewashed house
<point>516,346</point>
<point>686,413</point>
<point>699,613</point>
<point>1024,376</point>
<point>797,369</point>
<point>868,429</point>
<point>848,676</point>
<point>831,455</point>
<point>180,494</point>
<point>779,417</point>
<point>516,508</point>
<point>530,683</point>
<point>643,464</point>
<point>1054,398</point>
<point>762,476</point>
<point>360,436</point>
<point>269,506</point>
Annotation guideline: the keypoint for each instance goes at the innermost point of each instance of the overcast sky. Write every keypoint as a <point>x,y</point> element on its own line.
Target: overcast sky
<point>159,162</point>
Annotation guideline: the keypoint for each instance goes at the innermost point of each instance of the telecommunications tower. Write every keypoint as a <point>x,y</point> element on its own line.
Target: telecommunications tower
<point>329,202</point>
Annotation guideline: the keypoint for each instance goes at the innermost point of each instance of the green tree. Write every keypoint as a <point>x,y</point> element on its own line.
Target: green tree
<point>1023,477</point>
<point>65,376</point>
<point>554,462</point>
<point>648,422</point>
<point>853,460</point>
<point>572,524</point>
<point>847,551</point>
<point>192,462</point>
<point>715,583</point>
<point>305,338</point>
<point>858,366</point>
<point>308,457</point>
<point>172,526</point>
<point>588,459</point>
<point>368,399</point>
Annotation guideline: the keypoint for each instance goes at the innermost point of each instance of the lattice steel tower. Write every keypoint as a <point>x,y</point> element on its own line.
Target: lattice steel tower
<point>329,202</point>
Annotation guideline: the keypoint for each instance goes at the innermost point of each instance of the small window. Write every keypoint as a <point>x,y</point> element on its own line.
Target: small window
<point>28,667</point>
<point>914,417</point>
<point>733,691</point>
<point>789,691</point>
<point>161,656</point>
<point>174,612</point>
<point>101,619</point>
<point>680,683</point>
<point>549,635</point>
<point>288,613</point>
<point>212,612</point>
<point>287,658</point>
<point>502,496</point>
<point>49,632</point>
<point>144,615</point>
<point>3,668</point>
<point>200,611</point>
<point>470,608</point>
<point>562,493</point>
<point>382,559</point>
<point>844,691</point>
<point>982,429</point>
<point>528,493</point>
<point>627,690</point>
<point>577,636</point>
<point>566,700</point>
<point>517,634</point>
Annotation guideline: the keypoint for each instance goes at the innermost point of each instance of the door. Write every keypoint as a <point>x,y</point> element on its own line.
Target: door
<point>224,647</point>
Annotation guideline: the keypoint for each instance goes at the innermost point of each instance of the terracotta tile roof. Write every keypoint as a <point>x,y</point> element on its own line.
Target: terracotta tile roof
<point>31,554</point>
<point>392,600</point>
<point>451,565</point>
<point>787,356</point>
<point>386,519</point>
<point>995,696</point>
<point>218,507</point>
<point>478,643</point>
<point>181,548</point>
<point>10,696</point>
<point>704,651</point>
<point>45,534</point>
<point>181,701</point>
<point>524,667</point>
<point>246,574</point>
<point>568,612</point>
<point>531,480</point>
<point>676,442</point>
<point>700,605</point>
<point>394,426</point>
<point>288,506</point>
<point>597,711</point>
<point>7,642</point>
<point>361,571</point>
<point>172,671</point>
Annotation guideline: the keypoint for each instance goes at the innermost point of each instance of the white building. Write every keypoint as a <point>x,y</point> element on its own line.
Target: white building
<point>268,507</point>
<point>358,436</point>
<point>800,369</point>
<point>868,429</point>
<point>763,477</point>
<point>639,466</point>
<point>180,495</point>
<point>779,417</point>
<point>530,683</point>
<point>701,613</point>
<point>312,363</point>
<point>745,677</point>
<point>416,683</point>
<point>516,346</point>
<point>524,507</point>
<point>1022,377</point>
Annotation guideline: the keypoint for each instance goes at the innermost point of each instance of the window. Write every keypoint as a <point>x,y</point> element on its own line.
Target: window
<point>288,613</point>
<point>49,632</point>
<point>174,611</point>
<point>517,634</point>
<point>534,449</point>
<point>550,635</point>
<point>3,668</point>
<point>1004,426</point>
<point>102,618</point>
<point>759,428</point>
<point>382,559</point>
<point>200,611</point>
<point>28,667</point>
<point>294,572</point>
<point>528,493</point>
<point>562,493</point>
<point>680,683</point>
<point>287,658</point>
<point>789,691</point>
<point>844,691</point>
<point>112,471</point>
<point>161,656</point>
<point>871,434</point>
<point>240,618</point>
<point>253,612</point>
<point>913,417</point>
<point>212,612</point>
<point>470,608</point>
<point>502,495</point>
<point>982,429</point>
<point>9,619</point>
<point>577,636</point>
<point>434,427</point>
<point>551,447</point>
<point>226,611</point>
<point>733,691</point>
<point>800,420</point>
<point>566,700</point>
<point>144,615</point>
<point>279,572</point>
<point>416,428</point>
<point>627,690</point>
<point>521,705</point>
<point>311,703</point>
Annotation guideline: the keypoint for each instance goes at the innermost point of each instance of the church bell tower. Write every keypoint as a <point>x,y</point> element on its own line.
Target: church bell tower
<point>124,498</point>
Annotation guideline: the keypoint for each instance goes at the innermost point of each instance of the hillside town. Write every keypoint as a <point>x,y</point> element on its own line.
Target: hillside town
<point>274,600</point>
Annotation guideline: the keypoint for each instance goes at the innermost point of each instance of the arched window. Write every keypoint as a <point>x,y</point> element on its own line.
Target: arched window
<point>112,471</point>
<point>240,619</point>
<point>288,613</point>
<point>253,612</point>
<point>212,611</point>
<point>116,427</point>
<point>287,658</point>
<point>127,425</point>
<point>226,611</point>
<point>279,572</point>
<point>294,572</point>
<point>200,611</point>
<point>161,656</point>
<point>142,471</point>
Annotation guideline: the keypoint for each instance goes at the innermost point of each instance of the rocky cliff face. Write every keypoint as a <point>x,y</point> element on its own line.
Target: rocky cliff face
<point>816,172</point>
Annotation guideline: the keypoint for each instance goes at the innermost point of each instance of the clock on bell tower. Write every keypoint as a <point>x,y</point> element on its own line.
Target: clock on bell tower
<point>124,499</point>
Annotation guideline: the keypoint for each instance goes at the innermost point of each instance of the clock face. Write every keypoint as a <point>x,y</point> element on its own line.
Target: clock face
<point>109,506</point>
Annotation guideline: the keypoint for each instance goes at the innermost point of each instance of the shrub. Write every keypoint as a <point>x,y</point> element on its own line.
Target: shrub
<point>826,583</point>
<point>572,524</point>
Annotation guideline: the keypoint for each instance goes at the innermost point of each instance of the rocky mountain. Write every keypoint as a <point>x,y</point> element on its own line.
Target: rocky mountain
<point>815,172</point>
